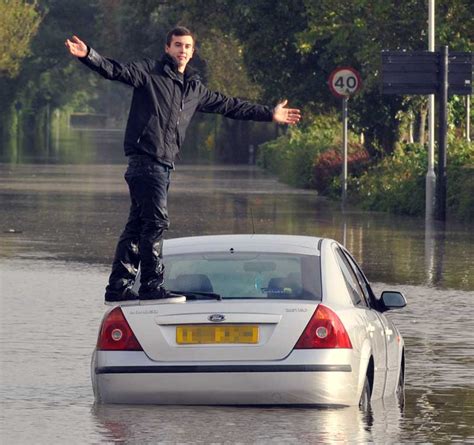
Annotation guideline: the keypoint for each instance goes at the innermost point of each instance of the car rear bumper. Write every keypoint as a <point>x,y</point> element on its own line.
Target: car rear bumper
<point>287,382</point>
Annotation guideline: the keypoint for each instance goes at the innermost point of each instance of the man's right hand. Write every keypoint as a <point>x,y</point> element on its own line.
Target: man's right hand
<point>76,47</point>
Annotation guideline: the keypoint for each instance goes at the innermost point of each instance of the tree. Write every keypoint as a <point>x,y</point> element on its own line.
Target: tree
<point>19,22</point>
<point>48,76</point>
<point>290,47</point>
<point>264,31</point>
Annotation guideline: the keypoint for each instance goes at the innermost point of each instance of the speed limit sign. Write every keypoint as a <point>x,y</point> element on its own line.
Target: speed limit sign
<point>344,82</point>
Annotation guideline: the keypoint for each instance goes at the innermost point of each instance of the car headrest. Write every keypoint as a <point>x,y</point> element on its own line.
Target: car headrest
<point>283,287</point>
<point>193,282</point>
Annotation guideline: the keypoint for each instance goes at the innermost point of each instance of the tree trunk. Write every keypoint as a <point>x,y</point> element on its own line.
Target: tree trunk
<point>420,129</point>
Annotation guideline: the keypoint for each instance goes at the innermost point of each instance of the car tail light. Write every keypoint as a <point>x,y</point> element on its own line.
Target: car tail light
<point>116,335</point>
<point>324,330</point>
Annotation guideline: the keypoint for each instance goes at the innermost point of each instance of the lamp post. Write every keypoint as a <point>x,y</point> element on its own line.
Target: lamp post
<point>430,182</point>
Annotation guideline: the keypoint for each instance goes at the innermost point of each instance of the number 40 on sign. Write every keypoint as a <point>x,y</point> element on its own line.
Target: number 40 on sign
<point>344,82</point>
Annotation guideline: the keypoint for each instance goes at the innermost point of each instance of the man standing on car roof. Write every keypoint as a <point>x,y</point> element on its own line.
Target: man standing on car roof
<point>166,95</point>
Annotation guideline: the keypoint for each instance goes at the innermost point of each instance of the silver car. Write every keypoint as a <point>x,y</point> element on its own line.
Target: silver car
<point>268,319</point>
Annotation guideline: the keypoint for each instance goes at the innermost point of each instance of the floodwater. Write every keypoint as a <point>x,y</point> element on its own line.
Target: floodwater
<point>58,228</point>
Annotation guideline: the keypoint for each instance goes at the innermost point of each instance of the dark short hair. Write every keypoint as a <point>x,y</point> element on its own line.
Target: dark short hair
<point>178,31</point>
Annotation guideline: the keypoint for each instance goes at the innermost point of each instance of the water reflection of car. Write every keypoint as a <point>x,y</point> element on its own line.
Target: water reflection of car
<point>269,319</point>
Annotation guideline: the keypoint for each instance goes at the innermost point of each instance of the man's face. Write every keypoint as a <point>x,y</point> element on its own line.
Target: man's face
<point>181,49</point>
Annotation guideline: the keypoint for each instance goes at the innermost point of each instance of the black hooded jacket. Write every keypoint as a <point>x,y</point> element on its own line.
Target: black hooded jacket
<point>164,102</point>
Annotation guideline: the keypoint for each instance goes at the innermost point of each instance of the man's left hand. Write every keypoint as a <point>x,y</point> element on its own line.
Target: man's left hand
<point>283,115</point>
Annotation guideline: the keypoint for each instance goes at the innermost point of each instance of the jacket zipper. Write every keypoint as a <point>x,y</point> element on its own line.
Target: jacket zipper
<point>169,118</point>
<point>178,154</point>
<point>143,131</point>
<point>180,108</point>
<point>181,87</point>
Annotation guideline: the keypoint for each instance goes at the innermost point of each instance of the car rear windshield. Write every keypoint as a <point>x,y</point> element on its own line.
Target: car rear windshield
<point>245,275</point>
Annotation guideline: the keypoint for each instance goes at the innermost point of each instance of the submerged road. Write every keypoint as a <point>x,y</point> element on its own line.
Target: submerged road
<point>58,228</point>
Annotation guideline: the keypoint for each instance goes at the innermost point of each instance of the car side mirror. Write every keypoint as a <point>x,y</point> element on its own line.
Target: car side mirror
<point>393,300</point>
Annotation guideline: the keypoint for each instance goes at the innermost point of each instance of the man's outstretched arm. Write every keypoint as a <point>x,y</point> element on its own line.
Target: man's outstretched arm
<point>133,74</point>
<point>235,108</point>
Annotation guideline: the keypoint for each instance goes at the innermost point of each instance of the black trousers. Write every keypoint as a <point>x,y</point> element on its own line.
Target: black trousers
<point>142,239</point>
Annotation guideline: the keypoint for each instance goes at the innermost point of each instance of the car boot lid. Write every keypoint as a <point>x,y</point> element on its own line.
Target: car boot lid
<point>276,326</point>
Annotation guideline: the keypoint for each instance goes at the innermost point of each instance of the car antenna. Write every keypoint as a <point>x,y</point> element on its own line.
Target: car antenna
<point>253,225</point>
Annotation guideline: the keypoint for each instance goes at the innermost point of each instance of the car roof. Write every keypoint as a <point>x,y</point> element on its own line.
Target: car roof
<point>306,245</point>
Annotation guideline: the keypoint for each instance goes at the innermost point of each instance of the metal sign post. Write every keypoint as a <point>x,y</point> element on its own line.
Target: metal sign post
<point>344,82</point>
<point>442,135</point>
<point>468,118</point>
<point>344,150</point>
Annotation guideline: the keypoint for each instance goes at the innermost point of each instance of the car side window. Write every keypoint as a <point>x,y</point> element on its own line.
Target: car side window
<point>352,282</point>
<point>369,296</point>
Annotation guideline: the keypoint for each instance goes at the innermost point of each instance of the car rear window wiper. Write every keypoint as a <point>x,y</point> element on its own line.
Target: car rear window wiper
<point>197,295</point>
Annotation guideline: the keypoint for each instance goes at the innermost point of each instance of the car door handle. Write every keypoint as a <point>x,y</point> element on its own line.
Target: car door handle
<point>370,328</point>
<point>388,332</point>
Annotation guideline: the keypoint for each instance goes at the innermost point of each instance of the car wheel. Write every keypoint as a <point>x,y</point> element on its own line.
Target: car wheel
<point>364,402</point>
<point>400,392</point>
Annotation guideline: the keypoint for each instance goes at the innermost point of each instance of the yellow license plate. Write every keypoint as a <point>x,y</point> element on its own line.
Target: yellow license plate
<point>201,334</point>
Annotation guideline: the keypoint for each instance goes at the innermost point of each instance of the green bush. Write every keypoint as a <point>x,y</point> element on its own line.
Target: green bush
<point>291,156</point>
<point>309,157</point>
<point>460,176</point>
<point>328,167</point>
<point>397,183</point>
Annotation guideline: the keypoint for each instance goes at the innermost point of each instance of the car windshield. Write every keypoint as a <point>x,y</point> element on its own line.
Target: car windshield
<point>245,275</point>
